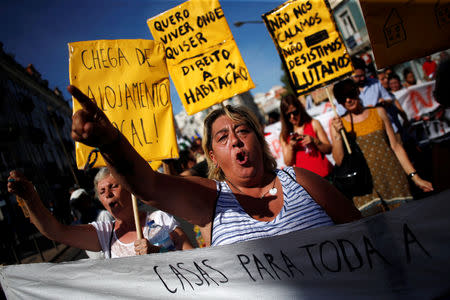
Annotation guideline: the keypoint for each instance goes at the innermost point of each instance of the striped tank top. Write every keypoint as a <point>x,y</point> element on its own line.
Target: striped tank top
<point>299,212</point>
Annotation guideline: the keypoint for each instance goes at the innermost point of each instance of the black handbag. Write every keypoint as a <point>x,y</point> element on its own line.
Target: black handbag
<point>353,177</point>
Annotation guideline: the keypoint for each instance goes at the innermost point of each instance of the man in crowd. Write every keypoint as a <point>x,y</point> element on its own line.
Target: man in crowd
<point>370,89</point>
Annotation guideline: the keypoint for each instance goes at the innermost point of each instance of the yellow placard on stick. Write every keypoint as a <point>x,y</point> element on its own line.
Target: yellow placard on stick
<point>201,53</point>
<point>308,43</point>
<point>402,30</point>
<point>129,82</point>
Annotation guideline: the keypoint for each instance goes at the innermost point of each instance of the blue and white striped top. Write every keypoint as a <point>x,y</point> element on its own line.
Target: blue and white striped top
<point>233,225</point>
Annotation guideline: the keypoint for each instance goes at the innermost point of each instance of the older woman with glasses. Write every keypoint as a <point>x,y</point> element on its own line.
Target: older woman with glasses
<point>303,140</point>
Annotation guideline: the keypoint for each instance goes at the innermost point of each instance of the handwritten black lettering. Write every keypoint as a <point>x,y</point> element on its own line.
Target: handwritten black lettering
<point>180,266</point>
<point>185,46</point>
<point>206,60</point>
<point>245,260</point>
<point>409,238</point>
<point>171,20</point>
<point>112,60</point>
<point>137,95</point>
<point>299,27</point>
<point>223,275</point>
<point>319,71</point>
<point>178,32</point>
<point>155,269</point>
<point>260,266</point>
<point>338,258</point>
<point>204,274</point>
<point>370,250</point>
<point>289,264</point>
<point>307,248</point>
<point>279,21</point>
<point>210,17</point>
<point>97,59</point>
<point>192,95</point>
<point>356,253</point>
<point>134,134</point>
<point>302,9</point>
<point>156,126</point>
<point>292,49</point>
<point>109,94</point>
<point>139,130</point>
<point>270,260</point>
<point>143,56</point>
<point>180,277</point>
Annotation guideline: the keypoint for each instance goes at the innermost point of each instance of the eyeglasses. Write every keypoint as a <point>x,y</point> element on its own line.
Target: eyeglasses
<point>292,113</point>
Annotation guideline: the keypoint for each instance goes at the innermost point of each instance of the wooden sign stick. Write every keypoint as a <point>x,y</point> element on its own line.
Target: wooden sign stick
<point>136,217</point>
<point>23,206</point>
<point>342,131</point>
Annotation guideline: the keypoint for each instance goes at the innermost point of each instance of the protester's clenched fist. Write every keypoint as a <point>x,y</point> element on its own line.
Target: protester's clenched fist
<point>90,125</point>
<point>143,246</point>
<point>19,185</point>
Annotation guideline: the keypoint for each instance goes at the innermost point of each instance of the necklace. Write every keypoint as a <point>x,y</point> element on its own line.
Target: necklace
<point>273,191</point>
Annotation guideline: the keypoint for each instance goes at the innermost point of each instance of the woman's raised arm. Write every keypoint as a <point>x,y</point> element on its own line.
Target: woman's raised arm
<point>79,236</point>
<point>191,198</point>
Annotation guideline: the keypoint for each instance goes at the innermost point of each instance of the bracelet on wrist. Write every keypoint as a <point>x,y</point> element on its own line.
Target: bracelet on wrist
<point>107,147</point>
<point>412,174</point>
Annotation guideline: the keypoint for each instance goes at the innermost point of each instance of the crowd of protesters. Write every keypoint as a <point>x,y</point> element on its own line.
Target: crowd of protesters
<point>228,185</point>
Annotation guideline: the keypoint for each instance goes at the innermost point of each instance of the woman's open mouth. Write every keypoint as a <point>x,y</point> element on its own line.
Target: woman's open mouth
<point>113,204</point>
<point>242,158</point>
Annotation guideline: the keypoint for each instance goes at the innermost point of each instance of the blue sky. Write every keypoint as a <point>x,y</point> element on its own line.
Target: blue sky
<point>37,32</point>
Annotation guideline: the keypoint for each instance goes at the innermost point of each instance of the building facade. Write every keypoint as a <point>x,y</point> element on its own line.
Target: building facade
<point>35,125</point>
<point>350,22</point>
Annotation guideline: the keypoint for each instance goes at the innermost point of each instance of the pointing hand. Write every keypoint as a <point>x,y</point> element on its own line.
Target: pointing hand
<point>90,125</point>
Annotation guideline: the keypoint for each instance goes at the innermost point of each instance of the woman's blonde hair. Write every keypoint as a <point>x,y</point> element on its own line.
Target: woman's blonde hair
<point>237,115</point>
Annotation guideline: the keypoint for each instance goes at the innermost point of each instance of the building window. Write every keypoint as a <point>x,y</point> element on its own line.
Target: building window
<point>347,24</point>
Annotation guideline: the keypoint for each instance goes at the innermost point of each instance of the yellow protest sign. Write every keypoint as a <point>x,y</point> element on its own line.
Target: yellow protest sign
<point>201,53</point>
<point>129,81</point>
<point>308,43</point>
<point>402,30</point>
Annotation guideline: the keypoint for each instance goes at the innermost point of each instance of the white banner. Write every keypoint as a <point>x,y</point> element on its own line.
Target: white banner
<point>403,254</point>
<point>417,99</point>
<point>272,136</point>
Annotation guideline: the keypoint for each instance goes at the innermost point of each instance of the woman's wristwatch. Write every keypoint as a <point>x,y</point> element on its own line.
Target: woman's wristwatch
<point>412,174</point>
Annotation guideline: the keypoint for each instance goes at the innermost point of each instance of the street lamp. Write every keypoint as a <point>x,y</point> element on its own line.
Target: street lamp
<point>240,23</point>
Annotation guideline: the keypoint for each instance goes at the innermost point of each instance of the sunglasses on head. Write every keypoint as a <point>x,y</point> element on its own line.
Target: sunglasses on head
<point>292,113</point>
